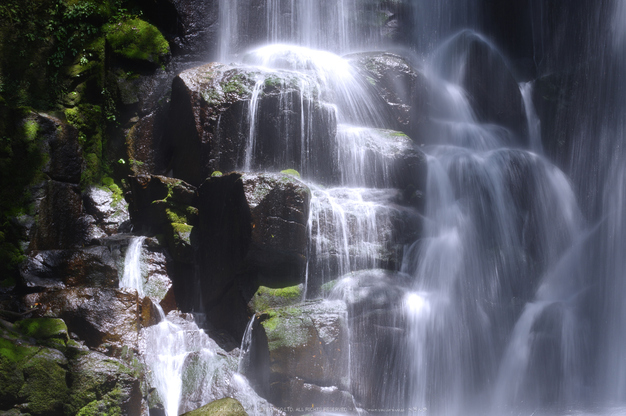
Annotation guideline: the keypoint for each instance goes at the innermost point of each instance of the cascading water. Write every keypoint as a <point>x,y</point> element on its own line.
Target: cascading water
<point>492,307</point>
<point>186,367</point>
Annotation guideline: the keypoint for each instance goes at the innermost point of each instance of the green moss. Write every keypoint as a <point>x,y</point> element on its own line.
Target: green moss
<point>43,328</point>
<point>221,407</point>
<point>287,328</point>
<point>107,406</point>
<point>266,298</point>
<point>291,172</point>
<point>116,191</point>
<point>31,129</point>
<point>137,39</point>
<point>217,173</point>
<point>45,388</point>
<point>183,231</point>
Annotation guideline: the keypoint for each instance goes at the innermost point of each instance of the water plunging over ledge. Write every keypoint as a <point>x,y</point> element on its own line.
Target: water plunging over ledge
<point>500,293</point>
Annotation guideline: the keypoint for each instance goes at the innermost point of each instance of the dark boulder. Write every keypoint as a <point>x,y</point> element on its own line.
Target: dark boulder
<point>65,161</point>
<point>165,206</point>
<point>279,206</point>
<point>95,266</point>
<point>224,234</point>
<point>107,319</point>
<point>143,144</point>
<point>494,94</point>
<point>404,89</point>
<point>374,301</point>
<point>207,132</point>
<point>355,229</point>
<point>62,222</point>
<point>380,158</point>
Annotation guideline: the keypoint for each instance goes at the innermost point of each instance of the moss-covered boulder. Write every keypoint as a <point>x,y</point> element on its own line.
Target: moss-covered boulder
<point>267,298</point>
<point>102,385</point>
<point>221,407</point>
<point>138,40</point>
<point>32,377</point>
<point>46,331</point>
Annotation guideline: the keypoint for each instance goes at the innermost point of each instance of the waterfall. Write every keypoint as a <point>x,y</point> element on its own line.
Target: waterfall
<point>183,362</point>
<point>502,294</point>
<point>132,277</point>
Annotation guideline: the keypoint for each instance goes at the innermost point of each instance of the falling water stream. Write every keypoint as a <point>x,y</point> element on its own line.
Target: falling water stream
<point>495,291</point>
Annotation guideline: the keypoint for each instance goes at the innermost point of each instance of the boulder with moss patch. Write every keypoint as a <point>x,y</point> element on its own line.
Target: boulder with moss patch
<point>166,206</point>
<point>221,407</point>
<point>107,319</point>
<point>267,298</point>
<point>308,343</point>
<point>137,40</point>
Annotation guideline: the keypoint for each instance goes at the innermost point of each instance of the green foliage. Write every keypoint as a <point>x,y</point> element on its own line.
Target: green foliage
<point>216,174</point>
<point>138,40</point>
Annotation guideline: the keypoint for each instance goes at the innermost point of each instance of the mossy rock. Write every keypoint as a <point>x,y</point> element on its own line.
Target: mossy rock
<point>45,389</point>
<point>137,40</point>
<point>101,385</point>
<point>221,407</point>
<point>47,331</point>
<point>267,298</point>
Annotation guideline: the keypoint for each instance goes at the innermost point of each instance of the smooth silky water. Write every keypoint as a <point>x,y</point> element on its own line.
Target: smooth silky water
<point>512,296</point>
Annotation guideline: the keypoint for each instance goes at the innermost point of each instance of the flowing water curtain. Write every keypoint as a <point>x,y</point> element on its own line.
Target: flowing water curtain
<point>338,26</point>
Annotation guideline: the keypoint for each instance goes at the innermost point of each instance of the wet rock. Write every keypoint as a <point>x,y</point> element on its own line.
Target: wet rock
<point>404,89</point>
<point>65,161</point>
<point>102,385</point>
<point>107,319</point>
<point>307,342</point>
<point>225,229</point>
<point>143,142</point>
<point>297,394</point>
<point>380,158</point>
<point>166,206</point>
<point>279,206</point>
<point>221,407</point>
<point>158,284</point>
<point>32,378</point>
<point>95,266</point>
<point>493,92</point>
<point>359,228</point>
<point>109,211</point>
<point>374,299</point>
<point>61,223</point>
<point>208,133</point>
